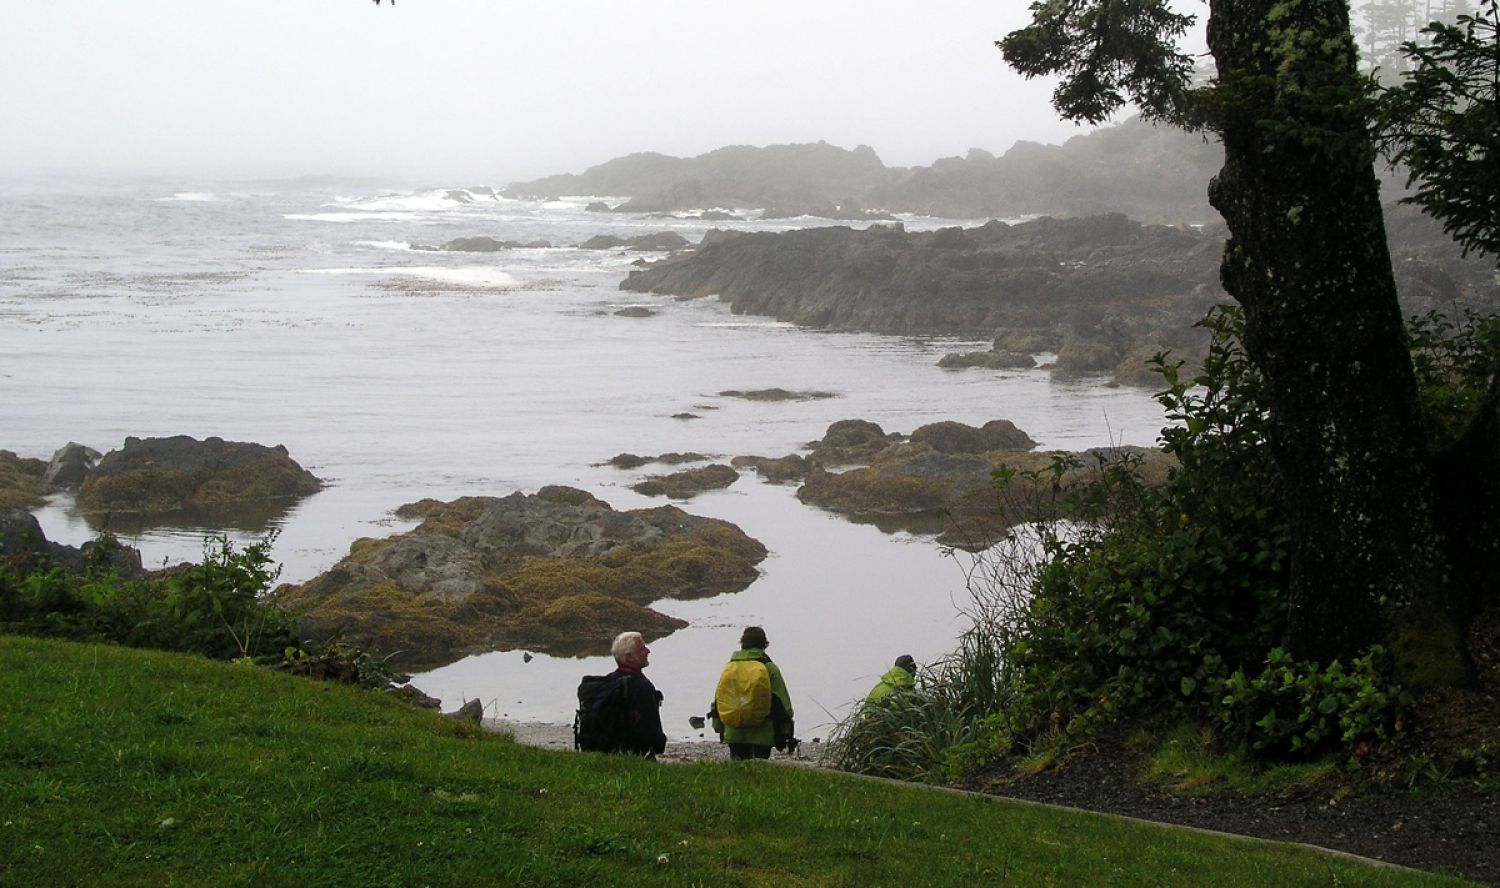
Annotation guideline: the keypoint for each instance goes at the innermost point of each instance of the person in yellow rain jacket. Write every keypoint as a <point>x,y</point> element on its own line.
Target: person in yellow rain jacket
<point>899,678</point>
<point>752,711</point>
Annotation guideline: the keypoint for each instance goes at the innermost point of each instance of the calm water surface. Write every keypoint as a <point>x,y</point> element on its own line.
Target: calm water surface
<point>299,314</point>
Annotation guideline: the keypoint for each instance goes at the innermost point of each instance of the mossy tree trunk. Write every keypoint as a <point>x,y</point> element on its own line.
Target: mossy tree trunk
<point>1307,258</point>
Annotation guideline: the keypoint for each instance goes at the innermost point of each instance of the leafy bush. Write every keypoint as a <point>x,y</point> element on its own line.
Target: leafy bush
<point>213,608</point>
<point>1297,708</point>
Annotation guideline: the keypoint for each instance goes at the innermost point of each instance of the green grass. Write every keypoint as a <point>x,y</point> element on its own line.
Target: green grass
<point>122,767</point>
<point>1187,761</point>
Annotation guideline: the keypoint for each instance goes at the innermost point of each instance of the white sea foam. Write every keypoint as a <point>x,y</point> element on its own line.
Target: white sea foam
<point>484,276</point>
<point>191,196</point>
<point>385,245</point>
<point>357,217</point>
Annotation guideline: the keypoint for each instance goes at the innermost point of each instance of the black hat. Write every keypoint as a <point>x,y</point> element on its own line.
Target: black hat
<point>753,637</point>
<point>906,662</point>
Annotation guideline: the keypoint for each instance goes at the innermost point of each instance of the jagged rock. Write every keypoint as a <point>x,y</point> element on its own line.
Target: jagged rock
<point>776,394</point>
<point>632,461</point>
<point>688,484</point>
<point>415,697</point>
<point>599,206</point>
<point>635,311</point>
<point>21,481</point>
<point>686,415</point>
<point>478,245</point>
<point>779,470</point>
<point>158,475</point>
<point>70,465</point>
<point>991,360</point>
<point>557,571</point>
<point>458,196</point>
<point>471,712</point>
<point>955,437</point>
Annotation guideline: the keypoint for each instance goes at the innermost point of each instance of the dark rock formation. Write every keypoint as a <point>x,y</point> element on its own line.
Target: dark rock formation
<point>22,484</point>
<point>632,461</point>
<point>599,206</point>
<point>688,483</point>
<point>917,488</point>
<point>991,360</point>
<point>1104,280</point>
<point>557,571</point>
<point>662,240</point>
<point>24,547</point>
<point>686,415</point>
<point>635,311</point>
<point>159,475</point>
<point>780,470</point>
<point>955,437</point>
<point>776,394</point>
<point>850,442</point>
<point>70,466</point>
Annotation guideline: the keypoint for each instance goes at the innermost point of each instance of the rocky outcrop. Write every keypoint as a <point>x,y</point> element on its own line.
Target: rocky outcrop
<point>776,394</point>
<point>482,244</point>
<point>1106,282</point>
<point>22,484</point>
<point>851,441</point>
<point>557,571</point>
<point>632,461</point>
<point>635,311</point>
<point>662,240</point>
<point>956,437</point>
<point>914,487</point>
<point>990,360</point>
<point>161,475</point>
<point>776,470</point>
<point>688,483</point>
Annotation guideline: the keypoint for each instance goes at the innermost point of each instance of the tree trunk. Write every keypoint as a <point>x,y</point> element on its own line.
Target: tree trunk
<point>1307,259</point>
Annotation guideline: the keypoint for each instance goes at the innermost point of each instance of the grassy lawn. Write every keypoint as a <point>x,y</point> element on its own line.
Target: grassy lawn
<point>122,767</point>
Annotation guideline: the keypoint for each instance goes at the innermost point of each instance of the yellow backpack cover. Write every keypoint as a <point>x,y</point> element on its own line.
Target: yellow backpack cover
<point>743,697</point>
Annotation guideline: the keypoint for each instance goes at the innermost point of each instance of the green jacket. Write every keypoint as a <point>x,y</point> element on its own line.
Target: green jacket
<point>764,733</point>
<point>895,679</point>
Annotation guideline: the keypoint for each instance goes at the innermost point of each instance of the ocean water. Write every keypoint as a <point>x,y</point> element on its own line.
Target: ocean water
<point>298,313</point>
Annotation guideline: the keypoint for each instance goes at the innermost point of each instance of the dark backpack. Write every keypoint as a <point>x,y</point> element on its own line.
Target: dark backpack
<point>600,724</point>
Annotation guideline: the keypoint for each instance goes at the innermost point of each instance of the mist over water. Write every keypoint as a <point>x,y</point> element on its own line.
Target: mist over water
<point>301,314</point>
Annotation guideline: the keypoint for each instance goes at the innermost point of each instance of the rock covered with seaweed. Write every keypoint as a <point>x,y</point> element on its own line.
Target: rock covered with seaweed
<point>557,571</point>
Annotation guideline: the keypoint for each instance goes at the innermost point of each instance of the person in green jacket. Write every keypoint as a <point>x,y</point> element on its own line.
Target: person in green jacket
<point>755,740</point>
<point>899,678</point>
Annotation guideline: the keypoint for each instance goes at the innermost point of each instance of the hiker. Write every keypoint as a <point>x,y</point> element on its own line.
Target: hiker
<point>752,710</point>
<point>621,711</point>
<point>900,678</point>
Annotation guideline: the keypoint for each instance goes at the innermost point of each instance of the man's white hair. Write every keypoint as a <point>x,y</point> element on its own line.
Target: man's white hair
<point>625,644</point>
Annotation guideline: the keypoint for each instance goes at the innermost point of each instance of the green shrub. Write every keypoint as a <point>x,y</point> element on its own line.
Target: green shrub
<point>213,608</point>
<point>1300,709</point>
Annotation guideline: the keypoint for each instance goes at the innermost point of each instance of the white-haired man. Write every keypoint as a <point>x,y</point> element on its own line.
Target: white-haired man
<point>642,729</point>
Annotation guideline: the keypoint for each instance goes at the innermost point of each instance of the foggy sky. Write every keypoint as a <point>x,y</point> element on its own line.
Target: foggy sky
<point>497,90</point>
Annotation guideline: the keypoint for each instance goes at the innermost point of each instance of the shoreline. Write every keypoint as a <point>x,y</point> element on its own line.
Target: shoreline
<point>545,735</point>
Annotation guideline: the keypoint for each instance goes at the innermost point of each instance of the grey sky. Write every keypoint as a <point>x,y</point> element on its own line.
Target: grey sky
<point>493,91</point>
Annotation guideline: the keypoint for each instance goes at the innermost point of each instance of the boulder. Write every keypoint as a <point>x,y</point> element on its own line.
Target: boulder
<point>557,571</point>
<point>21,482</point>
<point>159,475</point>
<point>632,461</point>
<point>851,441</point>
<point>955,437</point>
<point>635,311</point>
<point>70,465</point>
<point>478,245</point>
<point>990,360</point>
<point>689,483</point>
<point>599,206</point>
<point>662,240</point>
<point>23,546</point>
